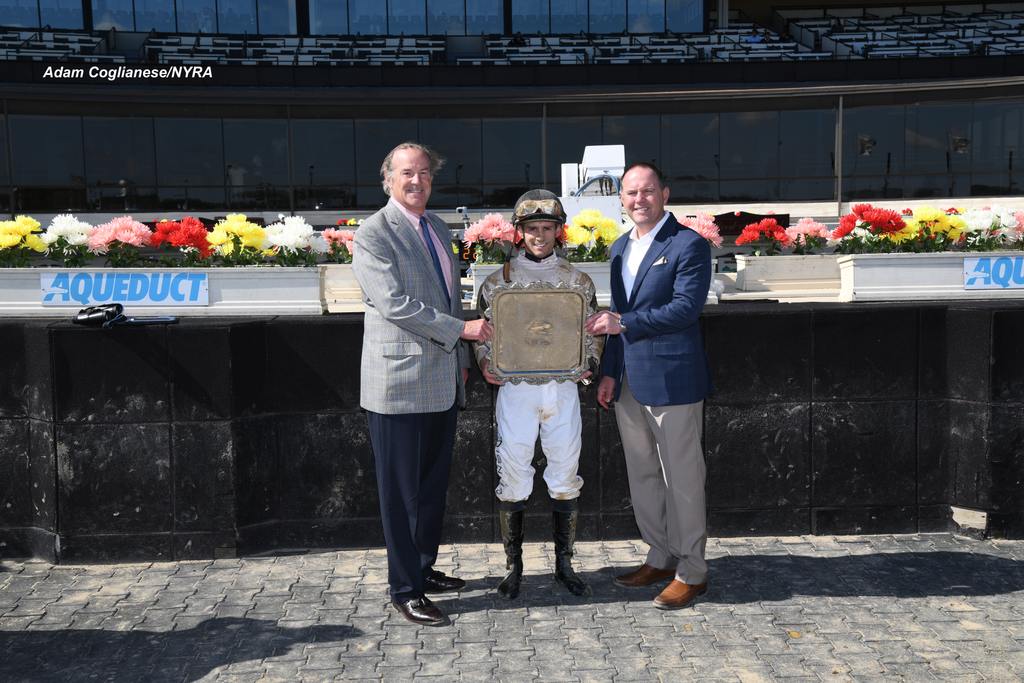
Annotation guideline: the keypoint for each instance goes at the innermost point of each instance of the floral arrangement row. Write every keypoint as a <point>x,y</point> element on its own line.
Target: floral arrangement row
<point>586,237</point>
<point>123,242</point>
<point>872,230</point>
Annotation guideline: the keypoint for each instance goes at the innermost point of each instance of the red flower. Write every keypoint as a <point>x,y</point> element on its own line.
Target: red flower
<point>908,212</point>
<point>766,229</point>
<point>846,225</point>
<point>189,232</point>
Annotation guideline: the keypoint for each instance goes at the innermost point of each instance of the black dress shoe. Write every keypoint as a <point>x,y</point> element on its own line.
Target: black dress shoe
<point>421,611</point>
<point>437,582</point>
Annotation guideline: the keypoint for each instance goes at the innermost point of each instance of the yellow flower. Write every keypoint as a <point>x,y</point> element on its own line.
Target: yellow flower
<point>9,239</point>
<point>34,243</point>
<point>577,235</point>
<point>217,237</point>
<point>587,218</point>
<point>606,230</point>
<point>27,223</point>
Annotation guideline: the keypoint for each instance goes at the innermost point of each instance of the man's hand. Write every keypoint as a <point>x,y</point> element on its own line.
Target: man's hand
<point>477,330</point>
<point>606,392</point>
<point>604,322</point>
<point>491,379</point>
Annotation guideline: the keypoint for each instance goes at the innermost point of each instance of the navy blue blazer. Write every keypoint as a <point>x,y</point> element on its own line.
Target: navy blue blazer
<point>661,351</point>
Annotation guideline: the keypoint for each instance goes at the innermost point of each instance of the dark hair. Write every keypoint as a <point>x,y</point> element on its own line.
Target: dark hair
<point>650,166</point>
<point>436,162</point>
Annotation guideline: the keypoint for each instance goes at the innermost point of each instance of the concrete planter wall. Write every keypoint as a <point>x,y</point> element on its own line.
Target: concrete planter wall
<point>340,289</point>
<point>269,290</point>
<point>895,277</point>
<point>814,275</point>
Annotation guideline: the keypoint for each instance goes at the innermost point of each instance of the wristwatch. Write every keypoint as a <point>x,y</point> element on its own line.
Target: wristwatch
<point>622,325</point>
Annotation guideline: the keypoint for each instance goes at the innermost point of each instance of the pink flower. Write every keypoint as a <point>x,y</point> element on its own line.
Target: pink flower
<point>704,225</point>
<point>492,227</point>
<point>123,229</point>
<point>1019,215</point>
<point>343,238</point>
<point>807,227</point>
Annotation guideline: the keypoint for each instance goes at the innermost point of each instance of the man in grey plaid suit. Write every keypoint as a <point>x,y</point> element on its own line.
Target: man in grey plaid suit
<point>413,372</point>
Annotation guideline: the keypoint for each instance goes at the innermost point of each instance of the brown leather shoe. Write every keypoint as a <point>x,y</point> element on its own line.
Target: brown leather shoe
<point>421,611</point>
<point>644,575</point>
<point>678,595</point>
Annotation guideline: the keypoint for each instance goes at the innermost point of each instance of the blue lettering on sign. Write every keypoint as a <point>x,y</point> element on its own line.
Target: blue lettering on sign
<point>994,272</point>
<point>138,288</point>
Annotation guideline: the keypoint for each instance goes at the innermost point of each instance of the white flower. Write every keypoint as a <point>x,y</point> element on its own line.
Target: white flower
<point>293,234</point>
<point>978,220</point>
<point>65,225</point>
<point>318,244</point>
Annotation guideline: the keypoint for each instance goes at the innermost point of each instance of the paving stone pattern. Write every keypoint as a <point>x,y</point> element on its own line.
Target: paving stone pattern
<point>809,608</point>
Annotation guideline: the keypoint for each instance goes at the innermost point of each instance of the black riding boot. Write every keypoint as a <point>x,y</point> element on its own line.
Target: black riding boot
<point>564,516</point>
<point>510,515</point>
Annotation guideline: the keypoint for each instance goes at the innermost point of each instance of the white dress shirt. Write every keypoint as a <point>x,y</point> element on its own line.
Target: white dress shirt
<point>633,254</point>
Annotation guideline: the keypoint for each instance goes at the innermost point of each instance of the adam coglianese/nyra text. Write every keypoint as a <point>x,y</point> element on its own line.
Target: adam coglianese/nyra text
<point>115,73</point>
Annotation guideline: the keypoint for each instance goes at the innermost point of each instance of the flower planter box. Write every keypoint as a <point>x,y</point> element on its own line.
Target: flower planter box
<point>812,274</point>
<point>340,289</point>
<point>231,291</point>
<point>889,277</point>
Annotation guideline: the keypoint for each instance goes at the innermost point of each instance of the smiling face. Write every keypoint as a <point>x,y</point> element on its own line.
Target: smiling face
<point>643,197</point>
<point>410,179</point>
<point>539,237</point>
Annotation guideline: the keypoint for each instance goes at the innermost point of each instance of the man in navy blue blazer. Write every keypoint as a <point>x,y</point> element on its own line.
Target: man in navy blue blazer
<point>655,372</point>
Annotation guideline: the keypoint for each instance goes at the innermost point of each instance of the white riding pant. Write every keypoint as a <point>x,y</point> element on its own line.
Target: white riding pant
<point>551,410</point>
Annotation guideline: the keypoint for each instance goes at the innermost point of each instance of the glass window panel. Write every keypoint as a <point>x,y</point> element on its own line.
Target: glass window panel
<point>407,17</point>
<point>607,16</point>
<point>61,13</point>
<point>638,133</point>
<point>328,16</point>
<point>112,14</point>
<point>458,141</point>
<point>236,16</point>
<point>530,16</point>
<point>646,16</point>
<point>569,16</point>
<point>872,187</point>
<point>154,15</point>
<point>806,189</point>
<point>873,141</point>
<point>374,139</point>
<point>807,142</point>
<point>927,186</point>
<point>189,152</point>
<point>483,17</point>
<point>749,190</point>
<point>693,191</point>
<point>933,131</point>
<point>997,138</point>
<point>368,17</point>
<point>750,145</point>
<point>689,148</point>
<point>446,17</point>
<point>190,198</point>
<point>21,13</point>
<point>47,150</point>
<point>277,16</point>
<point>567,137</point>
<point>119,149</point>
<point>511,151</point>
<point>4,175</point>
<point>323,162</point>
<point>256,161</point>
<point>685,16</point>
<point>989,184</point>
<point>195,16</point>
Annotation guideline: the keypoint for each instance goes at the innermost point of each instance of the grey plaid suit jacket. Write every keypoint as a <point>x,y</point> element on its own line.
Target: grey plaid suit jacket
<point>411,347</point>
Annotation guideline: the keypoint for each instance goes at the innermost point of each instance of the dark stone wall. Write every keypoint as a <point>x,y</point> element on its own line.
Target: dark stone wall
<point>215,437</point>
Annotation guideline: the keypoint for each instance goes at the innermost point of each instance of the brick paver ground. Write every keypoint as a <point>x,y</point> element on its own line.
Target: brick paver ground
<point>864,608</point>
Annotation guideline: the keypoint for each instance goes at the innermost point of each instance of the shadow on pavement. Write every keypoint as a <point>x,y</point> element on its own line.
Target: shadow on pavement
<point>152,656</point>
<point>772,578</point>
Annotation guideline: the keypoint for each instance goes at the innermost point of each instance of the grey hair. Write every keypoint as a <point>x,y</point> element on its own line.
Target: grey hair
<point>436,162</point>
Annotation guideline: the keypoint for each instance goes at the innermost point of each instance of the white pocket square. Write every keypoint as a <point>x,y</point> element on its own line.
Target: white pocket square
<point>660,262</point>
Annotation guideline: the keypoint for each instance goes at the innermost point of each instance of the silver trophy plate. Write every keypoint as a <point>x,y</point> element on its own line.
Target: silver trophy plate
<point>539,333</point>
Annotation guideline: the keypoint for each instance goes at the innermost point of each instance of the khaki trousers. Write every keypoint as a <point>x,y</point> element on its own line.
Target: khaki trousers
<point>666,472</point>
